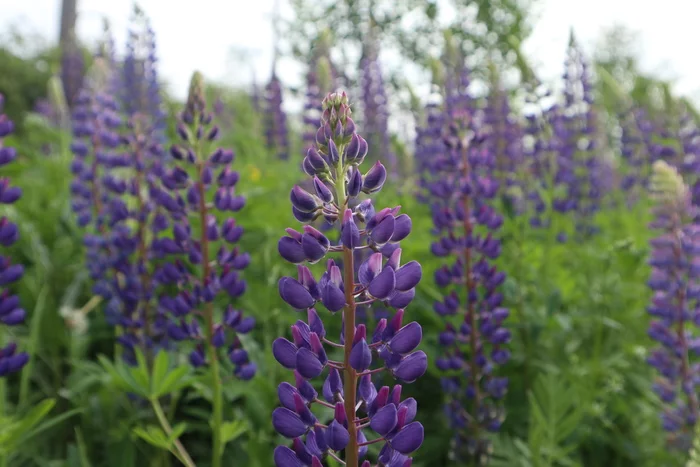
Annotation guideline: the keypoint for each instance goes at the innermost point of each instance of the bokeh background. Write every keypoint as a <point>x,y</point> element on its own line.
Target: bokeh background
<point>581,392</point>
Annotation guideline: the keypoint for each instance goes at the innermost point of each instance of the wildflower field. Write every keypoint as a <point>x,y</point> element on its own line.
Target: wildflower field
<point>482,270</point>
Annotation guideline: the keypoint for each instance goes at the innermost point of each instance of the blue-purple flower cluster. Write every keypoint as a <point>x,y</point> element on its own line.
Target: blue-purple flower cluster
<point>11,312</point>
<point>461,189</point>
<point>275,118</point>
<point>201,185</point>
<point>72,71</point>
<point>675,282</point>
<point>140,87</point>
<point>375,105</point>
<point>381,279</point>
<point>320,79</point>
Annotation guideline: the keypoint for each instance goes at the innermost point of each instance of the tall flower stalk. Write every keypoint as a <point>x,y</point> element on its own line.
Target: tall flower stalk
<point>200,186</point>
<point>375,104</point>
<point>140,86</point>
<point>348,387</point>
<point>11,312</point>
<point>275,118</point>
<point>474,338</point>
<point>674,281</point>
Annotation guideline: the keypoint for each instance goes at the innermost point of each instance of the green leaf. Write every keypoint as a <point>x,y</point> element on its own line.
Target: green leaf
<point>12,433</point>
<point>232,430</point>
<point>153,435</point>
<point>173,381</point>
<point>49,423</point>
<point>178,430</point>
<point>116,377</point>
<point>141,373</point>
<point>160,370</point>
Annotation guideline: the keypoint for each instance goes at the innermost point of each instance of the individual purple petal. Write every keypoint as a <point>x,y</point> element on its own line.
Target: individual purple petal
<point>366,389</point>
<point>285,457</point>
<point>303,200</point>
<point>402,227</point>
<point>408,439</point>
<point>383,231</point>
<point>285,353</point>
<point>287,423</point>
<point>295,294</point>
<point>384,420</point>
<point>349,233</point>
<point>285,393</point>
<point>313,249</point>
<point>332,297</point>
<point>408,276</point>
<point>322,190</point>
<point>337,436</point>
<point>360,356</point>
<point>374,179</point>
<point>407,338</point>
<point>411,367</point>
<point>291,250</point>
<point>401,299</point>
<point>308,364</point>
<point>383,285</point>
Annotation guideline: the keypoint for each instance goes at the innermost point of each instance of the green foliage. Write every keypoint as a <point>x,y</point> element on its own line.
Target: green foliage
<point>23,82</point>
<point>579,391</point>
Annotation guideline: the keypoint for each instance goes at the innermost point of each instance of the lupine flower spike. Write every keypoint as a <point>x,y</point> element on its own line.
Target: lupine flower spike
<point>674,281</point>
<point>382,279</point>
<point>201,185</point>
<point>466,222</point>
<point>11,313</point>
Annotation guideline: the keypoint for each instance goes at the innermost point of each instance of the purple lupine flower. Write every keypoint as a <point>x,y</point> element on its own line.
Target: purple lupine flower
<point>136,216</point>
<point>474,340</point>
<point>72,71</point>
<point>635,170</point>
<point>11,312</point>
<point>505,143</point>
<point>141,88</point>
<point>96,125</point>
<point>201,185</point>
<point>428,143</point>
<point>320,79</point>
<point>375,105</point>
<point>380,280</point>
<point>275,118</point>
<point>674,281</point>
<point>579,164</point>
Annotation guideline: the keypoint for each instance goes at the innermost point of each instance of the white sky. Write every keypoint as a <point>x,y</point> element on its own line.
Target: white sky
<point>209,35</point>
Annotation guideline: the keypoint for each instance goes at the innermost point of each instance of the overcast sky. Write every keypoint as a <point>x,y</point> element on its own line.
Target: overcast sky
<point>205,35</point>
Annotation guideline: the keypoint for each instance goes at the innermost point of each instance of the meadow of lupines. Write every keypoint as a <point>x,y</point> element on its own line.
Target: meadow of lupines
<point>221,282</point>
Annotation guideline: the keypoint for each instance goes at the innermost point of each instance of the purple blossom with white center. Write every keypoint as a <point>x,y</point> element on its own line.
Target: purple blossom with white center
<point>275,118</point>
<point>674,281</point>
<point>474,339</point>
<point>380,279</point>
<point>11,312</point>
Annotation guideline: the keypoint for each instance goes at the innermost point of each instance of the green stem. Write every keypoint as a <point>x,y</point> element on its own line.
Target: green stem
<point>3,413</point>
<point>350,379</point>
<point>217,396</point>
<point>180,452</point>
<point>32,347</point>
